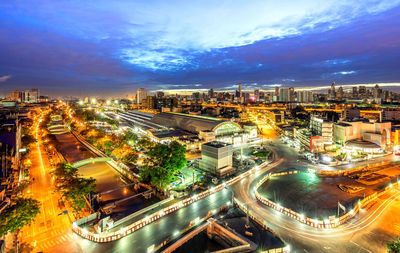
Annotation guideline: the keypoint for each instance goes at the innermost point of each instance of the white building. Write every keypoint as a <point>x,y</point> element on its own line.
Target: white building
<point>216,158</point>
<point>373,132</point>
<point>141,94</point>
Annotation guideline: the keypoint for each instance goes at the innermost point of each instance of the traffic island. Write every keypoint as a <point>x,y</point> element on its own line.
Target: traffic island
<point>313,200</point>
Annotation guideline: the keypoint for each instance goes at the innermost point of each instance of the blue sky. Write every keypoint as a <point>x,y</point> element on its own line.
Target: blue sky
<point>114,47</point>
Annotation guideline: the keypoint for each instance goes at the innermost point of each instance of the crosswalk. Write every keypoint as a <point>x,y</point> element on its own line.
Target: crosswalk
<point>57,238</point>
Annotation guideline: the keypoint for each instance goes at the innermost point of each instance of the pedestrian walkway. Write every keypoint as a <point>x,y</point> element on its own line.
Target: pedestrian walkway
<point>58,238</point>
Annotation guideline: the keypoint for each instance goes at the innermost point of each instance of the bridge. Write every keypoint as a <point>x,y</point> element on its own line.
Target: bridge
<point>91,160</point>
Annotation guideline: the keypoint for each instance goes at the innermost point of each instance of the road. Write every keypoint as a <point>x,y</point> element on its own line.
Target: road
<point>49,232</point>
<point>158,231</point>
<point>367,232</point>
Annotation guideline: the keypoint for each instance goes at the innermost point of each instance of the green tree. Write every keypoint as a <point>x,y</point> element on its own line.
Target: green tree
<point>130,136</point>
<point>74,188</point>
<point>162,163</point>
<point>20,213</point>
<point>393,246</point>
<point>130,157</point>
<point>77,191</point>
<point>145,144</point>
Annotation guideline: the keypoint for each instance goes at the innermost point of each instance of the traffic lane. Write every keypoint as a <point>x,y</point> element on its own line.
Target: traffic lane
<point>158,231</point>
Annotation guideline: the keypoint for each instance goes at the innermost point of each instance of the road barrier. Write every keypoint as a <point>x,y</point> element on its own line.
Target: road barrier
<point>346,172</point>
<point>262,223</point>
<point>325,224</point>
<point>112,236</point>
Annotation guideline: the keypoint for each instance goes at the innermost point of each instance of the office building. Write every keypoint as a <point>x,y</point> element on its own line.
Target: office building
<point>216,158</point>
<point>141,94</point>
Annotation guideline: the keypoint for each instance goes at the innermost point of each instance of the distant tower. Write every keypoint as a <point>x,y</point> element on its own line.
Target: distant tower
<point>240,89</point>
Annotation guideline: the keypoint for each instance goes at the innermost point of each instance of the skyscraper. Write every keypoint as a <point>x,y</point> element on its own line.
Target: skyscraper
<point>256,95</point>
<point>17,95</point>
<point>211,93</point>
<point>340,93</point>
<point>141,94</point>
<point>284,94</point>
<point>240,89</point>
<point>332,91</point>
<point>291,94</point>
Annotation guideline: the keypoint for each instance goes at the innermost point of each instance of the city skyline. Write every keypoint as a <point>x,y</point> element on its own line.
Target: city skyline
<point>71,49</point>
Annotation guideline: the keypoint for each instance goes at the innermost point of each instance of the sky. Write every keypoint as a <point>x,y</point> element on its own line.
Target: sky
<point>114,47</point>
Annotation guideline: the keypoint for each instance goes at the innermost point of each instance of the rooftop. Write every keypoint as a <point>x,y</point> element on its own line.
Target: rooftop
<point>216,144</point>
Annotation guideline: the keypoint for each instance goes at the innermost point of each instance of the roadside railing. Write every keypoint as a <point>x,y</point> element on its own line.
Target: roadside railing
<point>262,223</point>
<point>327,223</point>
<point>112,236</point>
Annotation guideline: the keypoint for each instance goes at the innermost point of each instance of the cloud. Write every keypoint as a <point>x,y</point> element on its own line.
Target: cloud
<point>345,72</point>
<point>165,35</point>
<point>4,78</point>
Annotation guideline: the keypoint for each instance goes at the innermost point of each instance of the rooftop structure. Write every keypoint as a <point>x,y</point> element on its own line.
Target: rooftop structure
<point>195,123</point>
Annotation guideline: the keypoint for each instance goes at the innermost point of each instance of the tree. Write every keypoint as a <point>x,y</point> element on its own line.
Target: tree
<point>22,185</point>
<point>130,156</point>
<point>145,143</point>
<point>27,140</point>
<point>20,213</point>
<point>393,246</point>
<point>74,188</point>
<point>162,163</point>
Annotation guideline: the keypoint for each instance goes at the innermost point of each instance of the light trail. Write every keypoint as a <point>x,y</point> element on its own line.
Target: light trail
<point>309,232</point>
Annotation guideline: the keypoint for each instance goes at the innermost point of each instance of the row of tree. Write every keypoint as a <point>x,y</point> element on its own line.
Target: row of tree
<point>74,188</point>
<point>21,211</point>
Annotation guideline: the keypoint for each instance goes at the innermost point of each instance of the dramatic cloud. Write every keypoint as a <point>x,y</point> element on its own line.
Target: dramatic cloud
<point>158,43</point>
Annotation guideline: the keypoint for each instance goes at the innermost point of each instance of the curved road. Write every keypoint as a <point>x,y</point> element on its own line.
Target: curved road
<point>367,232</point>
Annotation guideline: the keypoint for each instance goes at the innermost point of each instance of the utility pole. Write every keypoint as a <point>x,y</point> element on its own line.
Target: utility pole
<point>193,178</point>
<point>338,209</point>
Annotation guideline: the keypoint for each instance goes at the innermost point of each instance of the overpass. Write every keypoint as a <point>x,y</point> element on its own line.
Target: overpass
<point>91,160</point>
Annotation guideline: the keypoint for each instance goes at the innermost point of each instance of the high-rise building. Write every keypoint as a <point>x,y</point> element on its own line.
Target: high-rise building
<point>211,93</point>
<point>196,95</point>
<point>141,94</point>
<point>340,93</point>
<point>362,90</point>
<point>256,95</point>
<point>377,92</point>
<point>355,92</point>
<point>28,96</point>
<point>17,95</point>
<point>160,94</point>
<point>304,96</point>
<point>276,91</point>
<point>35,95</point>
<point>284,94</point>
<point>332,91</point>
<point>240,89</point>
<point>291,94</point>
